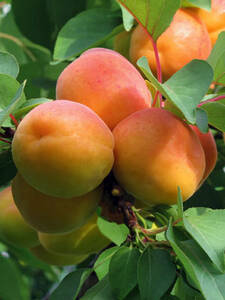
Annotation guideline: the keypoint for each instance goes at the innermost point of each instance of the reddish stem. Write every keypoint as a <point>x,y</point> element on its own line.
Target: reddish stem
<point>14,120</point>
<point>158,65</point>
<point>212,100</point>
<point>154,45</point>
<point>5,141</point>
<point>155,99</point>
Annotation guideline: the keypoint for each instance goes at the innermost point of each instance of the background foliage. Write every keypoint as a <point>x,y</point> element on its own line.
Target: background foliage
<point>37,40</point>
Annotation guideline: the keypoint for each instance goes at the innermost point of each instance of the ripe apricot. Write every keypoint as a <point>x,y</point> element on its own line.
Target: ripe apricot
<point>63,149</point>
<point>214,19</point>
<point>56,259</point>
<point>13,227</point>
<point>106,82</point>
<point>82,241</point>
<point>155,153</point>
<point>209,146</point>
<point>53,214</point>
<point>185,39</point>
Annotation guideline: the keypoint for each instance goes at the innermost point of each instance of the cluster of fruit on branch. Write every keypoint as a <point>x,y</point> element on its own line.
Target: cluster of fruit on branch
<point>102,123</point>
<point>191,35</point>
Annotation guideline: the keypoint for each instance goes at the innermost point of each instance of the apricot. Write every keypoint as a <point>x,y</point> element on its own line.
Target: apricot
<point>209,146</point>
<point>53,214</point>
<point>106,82</point>
<point>56,259</point>
<point>63,149</point>
<point>214,19</point>
<point>13,228</point>
<point>83,241</point>
<point>155,153</point>
<point>184,40</point>
<point>122,43</point>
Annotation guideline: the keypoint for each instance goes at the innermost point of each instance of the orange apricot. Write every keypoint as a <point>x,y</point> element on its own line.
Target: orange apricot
<point>209,146</point>
<point>56,259</point>
<point>13,228</point>
<point>83,241</point>
<point>184,40</point>
<point>155,153</point>
<point>53,214</point>
<point>63,149</point>
<point>214,19</point>
<point>106,82</point>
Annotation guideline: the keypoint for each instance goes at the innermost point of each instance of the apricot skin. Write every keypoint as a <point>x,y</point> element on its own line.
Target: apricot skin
<point>13,228</point>
<point>106,82</point>
<point>56,259</point>
<point>63,149</point>
<point>155,152</point>
<point>53,214</point>
<point>214,19</point>
<point>209,146</point>
<point>184,40</point>
<point>82,241</point>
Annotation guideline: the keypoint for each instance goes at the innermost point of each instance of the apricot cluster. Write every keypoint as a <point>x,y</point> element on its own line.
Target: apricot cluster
<point>101,122</point>
<point>191,35</point>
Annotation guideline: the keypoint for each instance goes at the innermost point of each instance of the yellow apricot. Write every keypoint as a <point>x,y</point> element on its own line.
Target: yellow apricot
<point>63,149</point>
<point>13,228</point>
<point>106,82</point>
<point>155,153</point>
<point>184,40</point>
<point>82,241</point>
<point>53,214</point>
<point>56,259</point>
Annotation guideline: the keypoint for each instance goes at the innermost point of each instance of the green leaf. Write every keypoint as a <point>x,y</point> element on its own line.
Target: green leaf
<point>101,266</point>
<point>33,21</point>
<point>205,4</point>
<point>100,291</point>
<point>207,227</point>
<point>202,120</point>
<point>123,271</point>
<point>7,167</point>
<point>184,291</point>
<point>28,106</point>
<point>113,231</point>
<point>154,15</point>
<point>111,4</point>
<point>70,286</point>
<point>156,273</point>
<point>8,64</point>
<point>128,19</point>
<point>217,59</point>
<point>74,37</point>
<point>59,12</point>
<point>198,266</point>
<point>14,103</point>
<point>11,282</point>
<point>134,294</point>
<point>180,207</point>
<point>216,113</point>
<point>186,88</point>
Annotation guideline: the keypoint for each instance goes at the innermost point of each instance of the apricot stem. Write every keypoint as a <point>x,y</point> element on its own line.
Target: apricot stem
<point>155,99</point>
<point>14,120</point>
<point>158,230</point>
<point>156,52</point>
<point>212,100</point>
